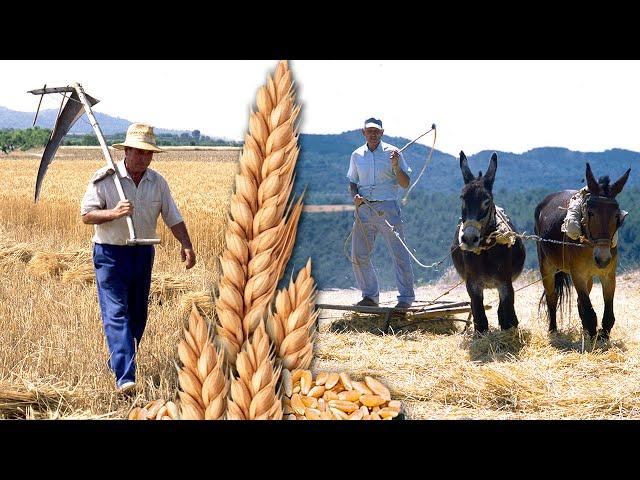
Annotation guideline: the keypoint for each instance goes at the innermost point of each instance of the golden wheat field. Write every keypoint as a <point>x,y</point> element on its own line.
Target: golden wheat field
<point>50,317</point>
<point>53,353</point>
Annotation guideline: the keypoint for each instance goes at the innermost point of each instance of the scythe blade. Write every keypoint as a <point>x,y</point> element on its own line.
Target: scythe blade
<point>71,112</point>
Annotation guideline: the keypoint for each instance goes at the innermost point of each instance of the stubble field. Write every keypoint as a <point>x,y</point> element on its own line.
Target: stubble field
<point>52,341</point>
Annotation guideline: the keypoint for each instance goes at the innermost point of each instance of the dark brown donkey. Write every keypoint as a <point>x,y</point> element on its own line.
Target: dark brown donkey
<point>601,219</point>
<point>480,261</point>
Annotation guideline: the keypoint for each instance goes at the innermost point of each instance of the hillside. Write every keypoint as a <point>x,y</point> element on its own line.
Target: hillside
<point>46,119</point>
<point>431,215</point>
<point>324,161</point>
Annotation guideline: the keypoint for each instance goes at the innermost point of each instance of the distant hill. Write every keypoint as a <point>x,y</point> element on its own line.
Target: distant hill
<point>46,119</point>
<point>522,180</point>
<point>324,161</point>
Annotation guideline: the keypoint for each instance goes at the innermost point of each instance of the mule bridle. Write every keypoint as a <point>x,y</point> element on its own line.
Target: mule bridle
<point>481,226</point>
<point>593,200</point>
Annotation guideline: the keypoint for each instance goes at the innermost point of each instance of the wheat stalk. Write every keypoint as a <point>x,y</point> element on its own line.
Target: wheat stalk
<point>253,391</point>
<point>290,325</point>
<point>203,384</point>
<point>262,225</point>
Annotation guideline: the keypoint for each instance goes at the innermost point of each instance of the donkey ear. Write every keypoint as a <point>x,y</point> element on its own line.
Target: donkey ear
<point>617,187</point>
<point>464,167</point>
<point>490,176</point>
<point>592,184</point>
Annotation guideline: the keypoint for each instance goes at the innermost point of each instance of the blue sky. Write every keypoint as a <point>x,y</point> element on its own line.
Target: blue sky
<point>502,105</point>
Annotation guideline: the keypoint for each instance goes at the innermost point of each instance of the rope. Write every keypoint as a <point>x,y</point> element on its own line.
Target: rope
<point>359,223</point>
<point>366,239</point>
<point>434,265</point>
<point>426,163</point>
<point>504,236</point>
<point>448,291</point>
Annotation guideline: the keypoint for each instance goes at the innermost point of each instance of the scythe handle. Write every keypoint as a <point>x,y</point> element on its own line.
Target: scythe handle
<point>107,154</point>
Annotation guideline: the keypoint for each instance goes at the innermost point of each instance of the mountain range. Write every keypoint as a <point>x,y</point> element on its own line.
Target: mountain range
<point>47,118</point>
<point>522,180</point>
<point>324,161</point>
<point>433,208</point>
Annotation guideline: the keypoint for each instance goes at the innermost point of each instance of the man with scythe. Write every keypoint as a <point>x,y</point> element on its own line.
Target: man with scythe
<point>123,259</point>
<point>123,272</point>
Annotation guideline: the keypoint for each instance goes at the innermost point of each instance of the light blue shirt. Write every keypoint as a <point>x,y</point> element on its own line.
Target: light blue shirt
<point>373,174</point>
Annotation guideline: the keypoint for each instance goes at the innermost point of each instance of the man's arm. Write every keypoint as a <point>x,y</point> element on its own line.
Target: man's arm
<point>179,231</point>
<point>403,178</point>
<point>99,216</point>
<point>357,198</point>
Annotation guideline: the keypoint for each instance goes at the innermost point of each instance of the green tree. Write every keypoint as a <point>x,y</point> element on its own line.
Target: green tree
<point>11,139</point>
<point>90,140</point>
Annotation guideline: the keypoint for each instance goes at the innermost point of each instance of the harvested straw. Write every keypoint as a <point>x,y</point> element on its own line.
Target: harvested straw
<point>201,299</point>
<point>20,252</point>
<point>203,384</point>
<point>253,392</point>
<point>53,264</point>
<point>289,326</point>
<point>156,410</point>
<point>262,228</point>
<point>166,285</point>
<point>16,400</point>
<point>80,274</point>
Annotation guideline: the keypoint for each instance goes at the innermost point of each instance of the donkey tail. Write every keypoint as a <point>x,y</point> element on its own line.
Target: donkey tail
<point>562,287</point>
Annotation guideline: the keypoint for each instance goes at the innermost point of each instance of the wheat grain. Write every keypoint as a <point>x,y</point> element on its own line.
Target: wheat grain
<point>253,392</point>
<point>290,326</point>
<point>203,384</point>
<point>263,224</point>
<point>155,410</point>
<point>333,400</point>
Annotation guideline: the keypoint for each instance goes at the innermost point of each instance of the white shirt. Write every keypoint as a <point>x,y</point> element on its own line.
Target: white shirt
<point>373,174</point>
<point>150,198</point>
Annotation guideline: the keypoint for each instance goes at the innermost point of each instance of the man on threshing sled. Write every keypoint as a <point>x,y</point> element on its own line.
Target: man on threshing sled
<point>376,170</point>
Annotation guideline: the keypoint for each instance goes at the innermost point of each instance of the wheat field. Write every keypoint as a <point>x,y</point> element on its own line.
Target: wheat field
<point>53,353</point>
<point>52,326</point>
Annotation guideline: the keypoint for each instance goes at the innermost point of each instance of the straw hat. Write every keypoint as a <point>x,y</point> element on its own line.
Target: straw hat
<point>139,135</point>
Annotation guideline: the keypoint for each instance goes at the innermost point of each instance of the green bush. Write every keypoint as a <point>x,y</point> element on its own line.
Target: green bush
<point>12,139</point>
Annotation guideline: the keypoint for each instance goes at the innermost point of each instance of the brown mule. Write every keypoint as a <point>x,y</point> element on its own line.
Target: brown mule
<point>597,258</point>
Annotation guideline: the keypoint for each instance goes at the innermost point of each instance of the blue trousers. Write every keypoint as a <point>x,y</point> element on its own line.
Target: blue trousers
<point>123,277</point>
<point>372,221</point>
